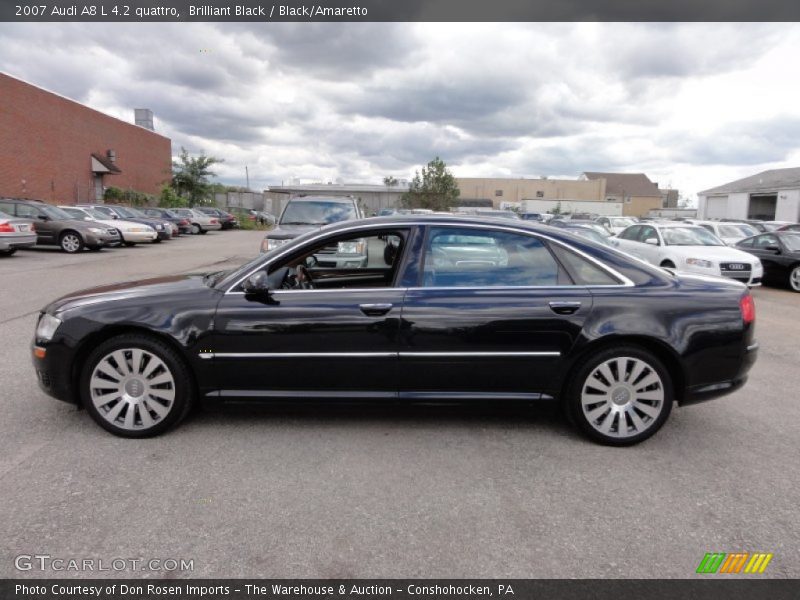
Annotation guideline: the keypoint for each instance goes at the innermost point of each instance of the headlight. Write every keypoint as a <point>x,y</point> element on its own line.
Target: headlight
<point>351,247</point>
<point>699,262</point>
<point>96,230</point>
<point>270,244</point>
<point>47,327</point>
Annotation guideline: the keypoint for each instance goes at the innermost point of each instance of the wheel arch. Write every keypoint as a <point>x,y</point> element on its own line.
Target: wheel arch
<point>659,349</point>
<point>96,338</point>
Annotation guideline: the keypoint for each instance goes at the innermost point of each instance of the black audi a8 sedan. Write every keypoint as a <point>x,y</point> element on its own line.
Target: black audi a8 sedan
<point>456,309</point>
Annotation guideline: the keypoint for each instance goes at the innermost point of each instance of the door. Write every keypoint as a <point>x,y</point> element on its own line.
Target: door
<point>493,316</point>
<point>46,229</point>
<point>332,336</point>
<point>774,263</point>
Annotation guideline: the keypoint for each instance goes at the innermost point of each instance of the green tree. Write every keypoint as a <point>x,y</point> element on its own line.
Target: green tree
<point>170,199</point>
<point>191,174</point>
<point>390,181</point>
<point>435,188</point>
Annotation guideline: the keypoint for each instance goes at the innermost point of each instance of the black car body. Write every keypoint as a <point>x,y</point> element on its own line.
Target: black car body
<point>164,214</point>
<point>54,227</point>
<point>779,252</point>
<point>556,318</point>
<point>226,219</point>
<point>114,211</point>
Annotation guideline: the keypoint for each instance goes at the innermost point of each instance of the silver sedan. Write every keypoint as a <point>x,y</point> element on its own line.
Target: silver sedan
<point>15,233</point>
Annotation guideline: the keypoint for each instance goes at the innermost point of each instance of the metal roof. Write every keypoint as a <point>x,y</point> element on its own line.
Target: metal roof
<point>630,184</point>
<point>766,181</point>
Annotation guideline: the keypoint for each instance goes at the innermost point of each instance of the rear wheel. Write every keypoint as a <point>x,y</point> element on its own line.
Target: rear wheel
<point>794,278</point>
<point>130,244</point>
<point>196,229</point>
<point>621,396</point>
<point>203,231</point>
<point>136,386</point>
<point>70,242</point>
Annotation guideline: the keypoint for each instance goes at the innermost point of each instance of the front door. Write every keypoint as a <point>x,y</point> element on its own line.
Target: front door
<point>494,314</point>
<point>335,336</point>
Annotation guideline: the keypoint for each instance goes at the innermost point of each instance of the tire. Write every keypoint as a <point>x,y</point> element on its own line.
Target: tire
<point>794,279</point>
<point>141,400</point>
<point>130,244</point>
<point>668,264</point>
<point>203,231</point>
<point>8,252</point>
<point>643,402</point>
<point>196,229</point>
<point>71,242</point>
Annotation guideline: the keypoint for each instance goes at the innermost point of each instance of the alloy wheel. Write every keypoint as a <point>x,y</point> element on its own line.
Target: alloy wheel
<point>132,388</point>
<point>195,228</point>
<point>622,397</point>
<point>71,243</point>
<point>794,279</point>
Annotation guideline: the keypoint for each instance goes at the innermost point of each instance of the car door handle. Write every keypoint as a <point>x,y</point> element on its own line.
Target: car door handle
<point>564,308</point>
<point>375,310</point>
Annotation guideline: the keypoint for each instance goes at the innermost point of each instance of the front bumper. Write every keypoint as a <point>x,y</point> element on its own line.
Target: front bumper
<point>102,239</point>
<point>7,242</point>
<point>52,372</point>
<point>139,237</point>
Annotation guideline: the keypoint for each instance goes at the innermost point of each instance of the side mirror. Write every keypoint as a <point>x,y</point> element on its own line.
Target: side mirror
<point>775,249</point>
<point>257,283</point>
<point>651,241</point>
<point>310,262</point>
<point>43,217</point>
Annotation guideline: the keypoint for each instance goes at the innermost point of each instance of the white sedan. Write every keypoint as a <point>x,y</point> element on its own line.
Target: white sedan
<point>728,231</point>
<point>689,249</point>
<point>132,232</point>
<point>616,224</point>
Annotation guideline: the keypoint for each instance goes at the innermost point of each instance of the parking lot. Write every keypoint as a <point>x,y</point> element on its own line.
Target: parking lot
<point>387,491</point>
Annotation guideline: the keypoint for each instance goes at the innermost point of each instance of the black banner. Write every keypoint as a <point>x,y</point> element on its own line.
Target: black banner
<point>396,589</point>
<point>398,10</point>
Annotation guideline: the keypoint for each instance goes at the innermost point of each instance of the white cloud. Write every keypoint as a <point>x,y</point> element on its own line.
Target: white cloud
<point>690,104</point>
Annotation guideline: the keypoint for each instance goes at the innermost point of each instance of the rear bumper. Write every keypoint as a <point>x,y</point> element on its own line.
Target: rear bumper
<point>701,393</point>
<point>138,237</point>
<point>7,242</point>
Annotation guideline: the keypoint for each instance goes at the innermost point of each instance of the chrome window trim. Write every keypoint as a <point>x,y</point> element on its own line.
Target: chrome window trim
<point>626,282</point>
<point>399,354</point>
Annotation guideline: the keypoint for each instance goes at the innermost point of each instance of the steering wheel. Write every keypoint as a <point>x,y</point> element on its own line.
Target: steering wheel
<point>303,278</point>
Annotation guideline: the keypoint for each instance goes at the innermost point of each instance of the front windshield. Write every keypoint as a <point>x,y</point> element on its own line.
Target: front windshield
<point>735,230</point>
<point>56,213</point>
<point>317,213</point>
<point>125,212</point>
<point>95,214</point>
<point>792,242</point>
<point>689,236</point>
<point>589,234</point>
<point>621,221</point>
<point>137,213</point>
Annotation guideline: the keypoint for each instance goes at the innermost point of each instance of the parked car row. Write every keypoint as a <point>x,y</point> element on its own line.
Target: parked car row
<point>73,228</point>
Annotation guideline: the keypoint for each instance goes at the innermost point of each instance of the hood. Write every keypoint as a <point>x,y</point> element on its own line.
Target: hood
<point>716,253</point>
<point>289,232</point>
<point>149,288</point>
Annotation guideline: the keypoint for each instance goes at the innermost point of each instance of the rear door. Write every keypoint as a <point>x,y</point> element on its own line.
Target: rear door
<point>492,316</point>
<point>46,229</point>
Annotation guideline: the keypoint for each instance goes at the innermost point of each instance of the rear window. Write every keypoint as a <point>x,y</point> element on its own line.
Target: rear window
<point>583,271</point>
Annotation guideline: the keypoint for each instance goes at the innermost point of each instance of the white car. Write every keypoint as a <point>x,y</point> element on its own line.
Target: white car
<point>132,233</point>
<point>616,224</point>
<point>728,232</point>
<point>688,249</point>
<point>201,222</point>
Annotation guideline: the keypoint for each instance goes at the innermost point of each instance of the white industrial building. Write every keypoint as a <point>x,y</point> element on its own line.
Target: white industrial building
<point>770,196</point>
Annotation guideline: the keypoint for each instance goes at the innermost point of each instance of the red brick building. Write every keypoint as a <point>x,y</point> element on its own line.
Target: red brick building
<point>59,151</point>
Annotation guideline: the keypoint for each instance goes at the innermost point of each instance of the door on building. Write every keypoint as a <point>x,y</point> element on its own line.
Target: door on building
<point>98,187</point>
<point>716,207</point>
<point>762,207</point>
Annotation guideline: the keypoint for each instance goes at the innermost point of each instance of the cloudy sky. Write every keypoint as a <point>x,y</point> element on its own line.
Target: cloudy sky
<point>694,105</point>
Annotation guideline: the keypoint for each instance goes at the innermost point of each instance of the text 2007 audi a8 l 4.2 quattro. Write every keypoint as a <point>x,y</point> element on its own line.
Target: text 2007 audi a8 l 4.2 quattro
<point>446,309</point>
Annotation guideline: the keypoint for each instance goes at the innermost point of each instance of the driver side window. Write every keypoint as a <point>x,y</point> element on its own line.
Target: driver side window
<point>363,260</point>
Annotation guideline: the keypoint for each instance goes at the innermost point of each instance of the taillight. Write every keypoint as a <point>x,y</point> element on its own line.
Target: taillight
<point>7,227</point>
<point>748,308</point>
<point>184,221</point>
<point>214,221</point>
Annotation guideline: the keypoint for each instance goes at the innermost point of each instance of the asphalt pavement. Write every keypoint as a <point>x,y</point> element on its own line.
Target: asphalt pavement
<point>386,491</point>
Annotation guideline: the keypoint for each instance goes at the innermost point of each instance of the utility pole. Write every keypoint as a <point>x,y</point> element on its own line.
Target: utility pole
<point>247,176</point>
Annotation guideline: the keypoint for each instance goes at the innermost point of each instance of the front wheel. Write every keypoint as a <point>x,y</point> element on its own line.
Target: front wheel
<point>794,278</point>
<point>136,386</point>
<point>196,229</point>
<point>620,397</point>
<point>71,242</point>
